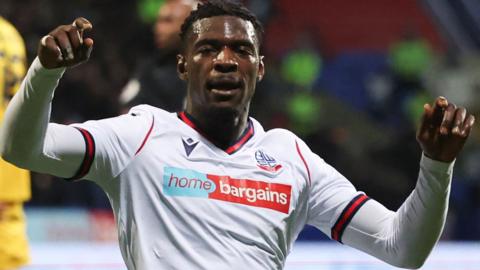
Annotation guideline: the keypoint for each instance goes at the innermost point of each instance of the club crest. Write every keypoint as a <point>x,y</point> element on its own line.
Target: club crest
<point>266,162</point>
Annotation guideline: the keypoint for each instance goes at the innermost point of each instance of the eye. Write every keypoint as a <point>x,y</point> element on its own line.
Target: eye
<point>206,49</point>
<point>244,50</point>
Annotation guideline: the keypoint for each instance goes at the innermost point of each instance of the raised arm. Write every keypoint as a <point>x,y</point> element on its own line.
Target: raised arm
<point>406,237</point>
<point>26,135</point>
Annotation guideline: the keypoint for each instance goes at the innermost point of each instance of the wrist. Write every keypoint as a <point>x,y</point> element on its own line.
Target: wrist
<point>41,69</point>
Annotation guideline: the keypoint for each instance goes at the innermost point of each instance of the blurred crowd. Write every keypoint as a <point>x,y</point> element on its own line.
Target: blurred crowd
<point>358,109</point>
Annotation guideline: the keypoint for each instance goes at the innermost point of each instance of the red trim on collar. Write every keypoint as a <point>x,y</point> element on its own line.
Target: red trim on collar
<point>183,116</point>
<point>245,137</point>
<point>247,134</point>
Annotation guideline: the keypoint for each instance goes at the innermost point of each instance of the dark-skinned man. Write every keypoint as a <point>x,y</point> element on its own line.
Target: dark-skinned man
<point>208,188</point>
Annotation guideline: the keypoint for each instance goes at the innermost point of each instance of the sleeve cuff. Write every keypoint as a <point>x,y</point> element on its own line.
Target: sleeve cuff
<point>436,166</point>
<point>435,174</point>
<point>41,70</point>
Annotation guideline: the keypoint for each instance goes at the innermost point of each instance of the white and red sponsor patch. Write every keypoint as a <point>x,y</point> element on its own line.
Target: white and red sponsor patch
<point>189,183</point>
<point>252,192</point>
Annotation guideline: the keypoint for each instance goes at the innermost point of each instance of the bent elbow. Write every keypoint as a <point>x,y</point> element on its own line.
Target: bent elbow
<point>411,264</point>
<point>13,158</point>
<point>410,260</point>
<point>6,154</point>
<point>8,157</point>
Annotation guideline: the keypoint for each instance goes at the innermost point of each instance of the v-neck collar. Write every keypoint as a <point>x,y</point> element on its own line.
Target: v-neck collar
<point>246,135</point>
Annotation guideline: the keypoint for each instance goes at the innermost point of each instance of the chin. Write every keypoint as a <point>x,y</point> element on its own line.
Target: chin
<point>222,113</point>
<point>223,108</point>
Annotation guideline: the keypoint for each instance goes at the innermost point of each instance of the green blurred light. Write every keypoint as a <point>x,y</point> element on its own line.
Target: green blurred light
<point>148,9</point>
<point>301,68</point>
<point>410,58</point>
<point>304,112</point>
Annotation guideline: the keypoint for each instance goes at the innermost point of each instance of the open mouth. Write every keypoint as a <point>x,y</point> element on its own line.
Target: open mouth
<point>224,86</point>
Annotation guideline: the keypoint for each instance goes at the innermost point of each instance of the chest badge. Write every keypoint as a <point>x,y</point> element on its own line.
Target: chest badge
<point>266,162</point>
<point>189,144</point>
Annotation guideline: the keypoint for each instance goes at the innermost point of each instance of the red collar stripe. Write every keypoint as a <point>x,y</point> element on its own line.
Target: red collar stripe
<point>184,117</point>
<point>230,150</point>
<point>88,157</point>
<point>350,210</point>
<point>234,148</point>
<point>187,121</point>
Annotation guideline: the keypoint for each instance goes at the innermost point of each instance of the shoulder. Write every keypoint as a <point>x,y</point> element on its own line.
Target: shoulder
<point>275,133</point>
<point>281,135</point>
<point>150,111</point>
<point>288,142</point>
<point>281,141</point>
<point>159,118</point>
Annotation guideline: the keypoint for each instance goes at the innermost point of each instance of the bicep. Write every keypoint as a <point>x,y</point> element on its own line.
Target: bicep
<point>63,151</point>
<point>330,199</point>
<point>371,226</point>
<point>111,144</point>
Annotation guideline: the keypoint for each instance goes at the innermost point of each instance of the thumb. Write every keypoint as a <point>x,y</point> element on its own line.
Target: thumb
<point>86,49</point>
<point>82,25</point>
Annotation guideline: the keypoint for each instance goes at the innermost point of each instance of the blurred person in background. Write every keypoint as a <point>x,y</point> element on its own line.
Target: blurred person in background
<point>221,63</point>
<point>14,182</point>
<point>155,81</point>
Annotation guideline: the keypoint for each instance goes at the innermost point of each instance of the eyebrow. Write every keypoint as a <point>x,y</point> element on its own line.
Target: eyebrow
<point>217,43</point>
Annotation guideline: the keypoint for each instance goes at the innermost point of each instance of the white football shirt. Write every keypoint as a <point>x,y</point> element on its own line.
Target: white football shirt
<point>182,203</point>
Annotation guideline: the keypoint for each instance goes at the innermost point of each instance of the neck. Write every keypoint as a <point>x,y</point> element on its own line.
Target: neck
<point>223,127</point>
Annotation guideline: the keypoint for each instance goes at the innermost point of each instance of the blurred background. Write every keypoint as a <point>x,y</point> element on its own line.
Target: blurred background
<point>349,77</point>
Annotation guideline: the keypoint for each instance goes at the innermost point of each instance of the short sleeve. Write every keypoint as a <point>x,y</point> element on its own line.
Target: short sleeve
<point>111,144</point>
<point>333,200</point>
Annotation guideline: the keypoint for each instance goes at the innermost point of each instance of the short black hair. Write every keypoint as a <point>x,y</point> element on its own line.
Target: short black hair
<point>213,8</point>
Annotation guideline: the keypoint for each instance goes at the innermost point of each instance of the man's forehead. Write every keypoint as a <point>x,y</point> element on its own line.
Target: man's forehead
<point>227,26</point>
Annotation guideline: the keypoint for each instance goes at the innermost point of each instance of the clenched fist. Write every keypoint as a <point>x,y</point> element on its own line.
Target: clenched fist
<point>444,129</point>
<point>65,46</point>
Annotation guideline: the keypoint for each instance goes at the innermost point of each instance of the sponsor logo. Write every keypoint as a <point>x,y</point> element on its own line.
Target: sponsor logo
<point>189,183</point>
<point>189,144</point>
<point>266,162</point>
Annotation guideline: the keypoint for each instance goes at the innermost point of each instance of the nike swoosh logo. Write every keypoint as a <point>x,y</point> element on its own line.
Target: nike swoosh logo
<point>189,147</point>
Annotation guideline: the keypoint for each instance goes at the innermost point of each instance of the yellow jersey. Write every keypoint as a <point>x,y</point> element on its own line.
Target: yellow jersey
<point>14,182</point>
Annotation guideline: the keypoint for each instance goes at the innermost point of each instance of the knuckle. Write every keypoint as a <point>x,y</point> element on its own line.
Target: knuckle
<point>61,29</point>
<point>70,30</point>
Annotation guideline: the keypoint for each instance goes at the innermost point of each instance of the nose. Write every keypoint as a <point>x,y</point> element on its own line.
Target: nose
<point>225,61</point>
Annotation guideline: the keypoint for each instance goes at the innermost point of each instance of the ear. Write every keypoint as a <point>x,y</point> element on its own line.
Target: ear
<point>182,67</point>
<point>261,69</point>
